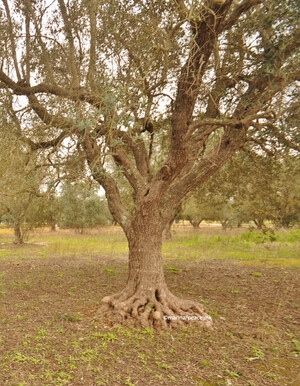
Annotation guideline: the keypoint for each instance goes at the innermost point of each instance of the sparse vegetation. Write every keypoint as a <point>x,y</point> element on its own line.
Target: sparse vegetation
<point>49,298</point>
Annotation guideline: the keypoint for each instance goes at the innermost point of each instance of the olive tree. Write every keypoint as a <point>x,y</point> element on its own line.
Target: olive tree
<point>20,185</point>
<point>214,200</point>
<point>111,82</point>
<point>79,206</point>
<point>269,189</point>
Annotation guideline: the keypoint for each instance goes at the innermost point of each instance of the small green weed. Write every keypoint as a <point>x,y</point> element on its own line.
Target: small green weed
<point>107,336</point>
<point>42,332</point>
<point>110,271</point>
<point>147,331</point>
<point>204,364</point>
<point>162,365</point>
<point>256,355</point>
<point>296,349</point>
<point>234,374</point>
<point>271,376</point>
<point>143,358</point>
<point>69,318</point>
<point>128,382</point>
<point>257,274</point>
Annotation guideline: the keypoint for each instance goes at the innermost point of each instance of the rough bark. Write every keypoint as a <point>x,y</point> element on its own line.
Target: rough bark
<point>146,300</point>
<point>167,233</point>
<point>18,235</point>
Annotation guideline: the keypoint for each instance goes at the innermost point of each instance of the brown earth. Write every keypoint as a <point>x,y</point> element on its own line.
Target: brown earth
<point>48,335</point>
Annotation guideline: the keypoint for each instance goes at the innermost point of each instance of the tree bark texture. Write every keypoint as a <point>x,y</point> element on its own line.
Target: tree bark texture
<point>146,300</point>
<point>18,235</point>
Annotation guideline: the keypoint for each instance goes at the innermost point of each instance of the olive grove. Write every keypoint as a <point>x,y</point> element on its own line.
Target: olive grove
<point>151,98</point>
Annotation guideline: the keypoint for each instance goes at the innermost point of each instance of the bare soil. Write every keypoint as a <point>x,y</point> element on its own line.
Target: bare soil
<point>48,334</point>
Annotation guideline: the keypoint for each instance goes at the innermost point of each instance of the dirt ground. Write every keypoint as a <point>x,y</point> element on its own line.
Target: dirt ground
<point>48,335</point>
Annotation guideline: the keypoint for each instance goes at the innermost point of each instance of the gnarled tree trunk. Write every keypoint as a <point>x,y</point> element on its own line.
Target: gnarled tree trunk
<point>146,299</point>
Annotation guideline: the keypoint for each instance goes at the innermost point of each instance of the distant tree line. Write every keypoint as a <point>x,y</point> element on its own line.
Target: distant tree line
<point>252,188</point>
<point>75,206</point>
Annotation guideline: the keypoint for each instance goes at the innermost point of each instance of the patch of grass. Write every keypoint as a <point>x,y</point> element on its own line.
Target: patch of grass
<point>256,354</point>
<point>204,363</point>
<point>108,336</point>
<point>69,318</point>
<point>162,365</point>
<point>296,348</point>
<point>259,237</point>
<point>257,274</point>
<point>110,271</point>
<point>248,247</point>
<point>173,269</point>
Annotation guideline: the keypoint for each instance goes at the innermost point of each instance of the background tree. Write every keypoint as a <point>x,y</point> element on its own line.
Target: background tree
<point>286,197</point>
<point>20,184</point>
<point>51,210</point>
<point>252,187</point>
<point>79,207</point>
<point>214,200</point>
<point>193,211</point>
<point>268,189</point>
<point>109,82</point>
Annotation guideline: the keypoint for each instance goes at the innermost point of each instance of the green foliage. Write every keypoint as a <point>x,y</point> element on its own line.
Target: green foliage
<point>80,206</point>
<point>21,194</point>
<point>290,236</point>
<point>259,237</point>
<point>250,188</point>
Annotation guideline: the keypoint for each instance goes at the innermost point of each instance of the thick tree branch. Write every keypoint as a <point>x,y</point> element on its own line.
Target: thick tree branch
<point>47,118</point>
<point>45,53</point>
<point>137,146</point>
<point>240,10</point>
<point>197,171</point>
<point>130,172</point>
<point>264,85</point>
<point>92,60</point>
<point>74,94</point>
<point>27,44</point>
<point>116,207</point>
<point>12,39</point>
<point>69,36</point>
<point>205,33</point>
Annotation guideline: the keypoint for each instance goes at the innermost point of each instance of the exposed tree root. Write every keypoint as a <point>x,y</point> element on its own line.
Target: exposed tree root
<point>154,308</point>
